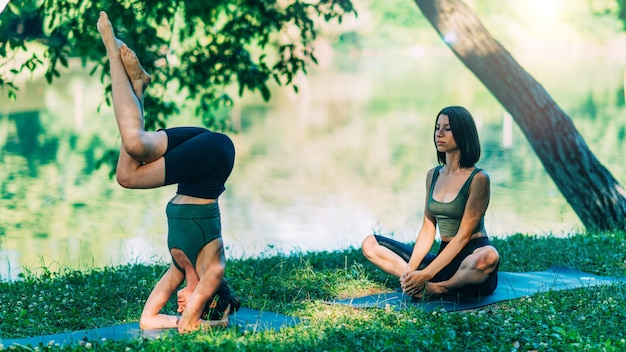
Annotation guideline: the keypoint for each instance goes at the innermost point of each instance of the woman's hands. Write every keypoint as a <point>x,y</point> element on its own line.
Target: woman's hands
<point>414,283</point>
<point>190,320</point>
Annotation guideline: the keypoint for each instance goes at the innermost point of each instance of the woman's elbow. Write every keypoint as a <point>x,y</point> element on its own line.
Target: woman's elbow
<point>143,324</point>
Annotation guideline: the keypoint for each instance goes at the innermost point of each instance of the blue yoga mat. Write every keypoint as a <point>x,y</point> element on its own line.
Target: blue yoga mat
<point>510,286</point>
<point>244,318</point>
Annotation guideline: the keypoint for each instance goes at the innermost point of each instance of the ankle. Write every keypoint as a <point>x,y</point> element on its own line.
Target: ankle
<point>138,88</point>
<point>113,54</point>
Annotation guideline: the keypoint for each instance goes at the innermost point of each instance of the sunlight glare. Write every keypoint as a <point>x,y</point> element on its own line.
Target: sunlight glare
<point>3,4</point>
<point>546,10</point>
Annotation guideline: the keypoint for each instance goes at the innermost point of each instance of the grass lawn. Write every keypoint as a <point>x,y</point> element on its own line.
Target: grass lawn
<point>588,319</point>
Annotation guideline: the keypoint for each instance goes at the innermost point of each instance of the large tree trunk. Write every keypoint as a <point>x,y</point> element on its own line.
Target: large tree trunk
<point>594,194</point>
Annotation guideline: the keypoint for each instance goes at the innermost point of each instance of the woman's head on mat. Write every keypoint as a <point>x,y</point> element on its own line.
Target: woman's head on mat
<point>181,298</point>
<point>455,128</point>
<point>222,301</point>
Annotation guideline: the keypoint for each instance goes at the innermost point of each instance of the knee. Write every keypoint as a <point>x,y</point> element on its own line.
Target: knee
<point>124,176</point>
<point>146,322</point>
<point>143,323</point>
<point>488,259</point>
<point>123,179</point>
<point>368,247</point>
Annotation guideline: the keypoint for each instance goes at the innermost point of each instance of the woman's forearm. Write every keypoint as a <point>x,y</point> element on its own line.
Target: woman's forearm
<point>159,321</point>
<point>423,243</point>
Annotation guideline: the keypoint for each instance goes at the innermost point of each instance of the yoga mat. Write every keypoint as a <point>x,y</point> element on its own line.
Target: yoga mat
<point>510,286</point>
<point>244,318</point>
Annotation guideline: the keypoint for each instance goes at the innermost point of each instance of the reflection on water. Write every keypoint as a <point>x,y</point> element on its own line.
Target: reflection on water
<point>316,171</point>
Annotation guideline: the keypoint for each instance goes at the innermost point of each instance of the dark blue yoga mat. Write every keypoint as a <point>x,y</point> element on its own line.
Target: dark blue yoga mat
<point>244,318</point>
<point>510,286</point>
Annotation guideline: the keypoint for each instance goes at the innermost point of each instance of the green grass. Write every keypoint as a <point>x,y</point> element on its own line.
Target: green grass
<point>589,319</point>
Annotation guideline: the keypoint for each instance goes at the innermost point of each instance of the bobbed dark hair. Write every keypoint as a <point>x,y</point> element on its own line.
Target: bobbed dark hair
<point>465,134</point>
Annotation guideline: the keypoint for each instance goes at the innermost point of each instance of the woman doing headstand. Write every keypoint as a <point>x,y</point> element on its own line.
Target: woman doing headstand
<point>199,161</point>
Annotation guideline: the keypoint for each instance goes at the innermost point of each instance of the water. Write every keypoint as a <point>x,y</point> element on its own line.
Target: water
<point>317,171</point>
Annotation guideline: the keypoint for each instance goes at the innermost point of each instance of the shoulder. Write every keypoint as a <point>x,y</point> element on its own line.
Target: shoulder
<point>431,172</point>
<point>481,174</point>
<point>481,179</point>
<point>429,176</point>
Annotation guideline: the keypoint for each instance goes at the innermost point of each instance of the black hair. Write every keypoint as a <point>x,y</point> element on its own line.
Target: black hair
<point>465,135</point>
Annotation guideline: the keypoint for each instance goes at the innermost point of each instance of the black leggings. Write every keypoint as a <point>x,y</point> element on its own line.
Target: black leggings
<point>199,160</point>
<point>405,251</point>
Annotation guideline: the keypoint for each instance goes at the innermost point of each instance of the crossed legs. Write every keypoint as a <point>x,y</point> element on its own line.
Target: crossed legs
<point>383,257</point>
<point>474,269</point>
<point>140,164</point>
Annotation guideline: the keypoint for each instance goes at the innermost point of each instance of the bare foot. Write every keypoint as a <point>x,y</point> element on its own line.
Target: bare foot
<point>136,73</point>
<point>111,43</point>
<point>434,289</point>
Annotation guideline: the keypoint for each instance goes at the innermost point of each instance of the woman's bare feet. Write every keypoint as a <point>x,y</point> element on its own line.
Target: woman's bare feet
<point>139,78</point>
<point>111,43</point>
<point>435,289</point>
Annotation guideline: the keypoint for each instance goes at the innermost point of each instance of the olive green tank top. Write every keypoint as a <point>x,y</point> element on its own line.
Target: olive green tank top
<point>449,214</point>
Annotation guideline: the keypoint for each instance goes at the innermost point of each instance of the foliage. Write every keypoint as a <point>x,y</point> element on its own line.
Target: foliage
<point>195,48</point>
<point>621,14</point>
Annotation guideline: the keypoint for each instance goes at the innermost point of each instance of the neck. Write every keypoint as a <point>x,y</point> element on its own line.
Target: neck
<point>453,162</point>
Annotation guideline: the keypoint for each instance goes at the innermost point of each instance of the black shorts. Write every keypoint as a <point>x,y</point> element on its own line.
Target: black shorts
<point>405,251</point>
<point>199,160</point>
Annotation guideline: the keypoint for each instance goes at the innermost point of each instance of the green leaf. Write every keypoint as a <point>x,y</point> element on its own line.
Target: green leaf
<point>265,92</point>
<point>14,8</point>
<point>559,330</point>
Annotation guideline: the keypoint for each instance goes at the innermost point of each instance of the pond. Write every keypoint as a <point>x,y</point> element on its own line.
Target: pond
<point>315,171</point>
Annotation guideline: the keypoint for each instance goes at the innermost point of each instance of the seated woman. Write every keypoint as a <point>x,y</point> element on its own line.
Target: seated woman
<point>457,196</point>
<point>200,162</point>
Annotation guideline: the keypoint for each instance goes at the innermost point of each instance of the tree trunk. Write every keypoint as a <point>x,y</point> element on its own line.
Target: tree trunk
<point>594,194</point>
